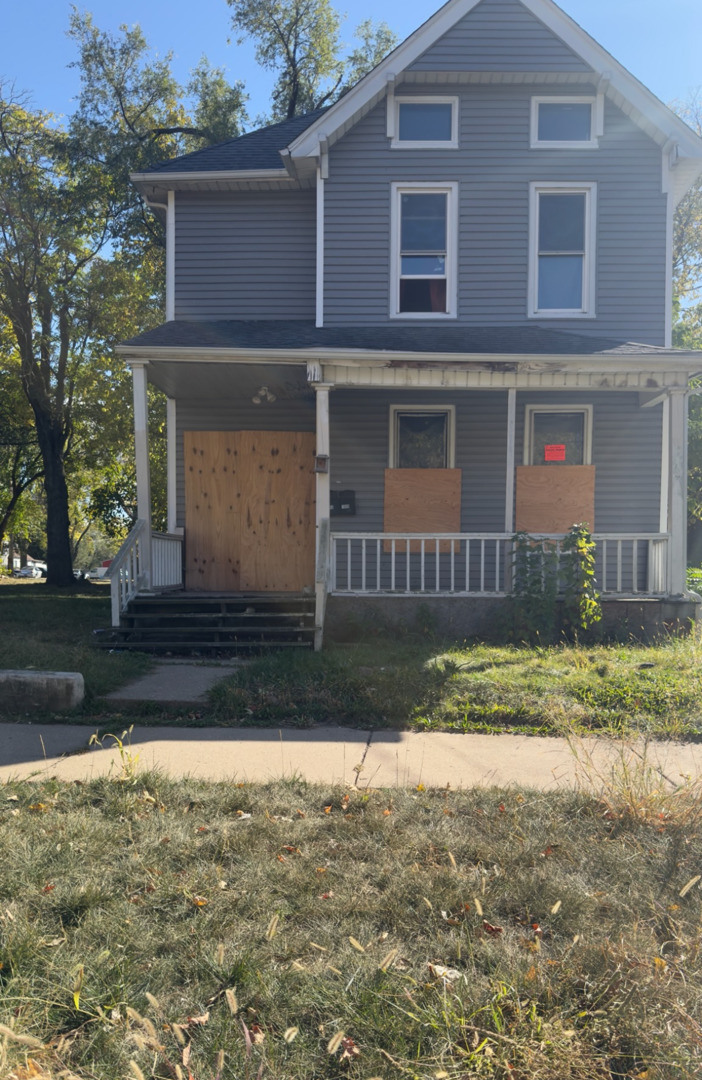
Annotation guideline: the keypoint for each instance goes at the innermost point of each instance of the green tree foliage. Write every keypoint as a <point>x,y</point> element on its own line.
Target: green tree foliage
<point>20,458</point>
<point>300,41</point>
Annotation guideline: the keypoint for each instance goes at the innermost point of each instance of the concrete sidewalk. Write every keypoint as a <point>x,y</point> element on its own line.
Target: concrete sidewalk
<point>339,755</point>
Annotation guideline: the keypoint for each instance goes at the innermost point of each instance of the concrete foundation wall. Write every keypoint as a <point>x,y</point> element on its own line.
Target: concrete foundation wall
<point>351,618</point>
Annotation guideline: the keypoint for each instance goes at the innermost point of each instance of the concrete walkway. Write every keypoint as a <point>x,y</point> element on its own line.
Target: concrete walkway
<point>174,682</point>
<point>333,755</point>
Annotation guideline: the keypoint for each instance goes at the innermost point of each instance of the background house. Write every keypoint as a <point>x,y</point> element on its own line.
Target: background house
<point>401,328</point>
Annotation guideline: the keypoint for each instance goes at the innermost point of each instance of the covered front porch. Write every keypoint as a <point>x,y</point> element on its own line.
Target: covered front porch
<point>354,548</point>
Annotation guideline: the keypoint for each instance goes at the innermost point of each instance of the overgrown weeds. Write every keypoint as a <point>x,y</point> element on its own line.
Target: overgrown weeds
<point>163,929</point>
<point>615,689</point>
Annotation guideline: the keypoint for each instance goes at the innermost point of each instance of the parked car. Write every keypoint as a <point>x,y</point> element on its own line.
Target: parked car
<point>31,570</point>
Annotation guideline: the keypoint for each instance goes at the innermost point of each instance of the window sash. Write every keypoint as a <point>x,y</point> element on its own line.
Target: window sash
<point>542,138</point>
<point>578,445</point>
<point>562,238</point>
<point>444,456</point>
<point>423,260</point>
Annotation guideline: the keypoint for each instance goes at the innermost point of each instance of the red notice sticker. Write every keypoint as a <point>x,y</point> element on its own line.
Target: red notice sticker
<point>554,452</point>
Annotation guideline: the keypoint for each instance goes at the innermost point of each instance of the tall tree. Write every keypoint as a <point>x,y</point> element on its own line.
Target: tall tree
<point>299,39</point>
<point>20,458</point>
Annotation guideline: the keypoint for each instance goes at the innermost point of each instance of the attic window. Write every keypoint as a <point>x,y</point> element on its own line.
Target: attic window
<point>565,123</point>
<point>424,123</point>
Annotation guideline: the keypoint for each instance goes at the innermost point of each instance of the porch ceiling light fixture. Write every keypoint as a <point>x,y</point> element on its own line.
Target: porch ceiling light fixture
<point>263,394</point>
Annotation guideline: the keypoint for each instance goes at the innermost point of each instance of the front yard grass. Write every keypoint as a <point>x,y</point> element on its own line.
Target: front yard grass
<point>157,929</point>
<point>52,630</point>
<point>612,689</point>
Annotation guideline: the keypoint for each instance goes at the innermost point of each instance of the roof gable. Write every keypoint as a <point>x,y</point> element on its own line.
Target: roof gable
<point>644,108</point>
<point>499,35</point>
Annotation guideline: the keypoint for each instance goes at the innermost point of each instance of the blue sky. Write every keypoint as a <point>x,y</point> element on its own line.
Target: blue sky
<point>660,41</point>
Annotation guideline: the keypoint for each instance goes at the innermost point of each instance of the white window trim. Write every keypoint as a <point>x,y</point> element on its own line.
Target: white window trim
<point>585,410</point>
<point>587,311</point>
<point>450,413</point>
<point>450,188</point>
<point>595,101</point>
<point>394,102</point>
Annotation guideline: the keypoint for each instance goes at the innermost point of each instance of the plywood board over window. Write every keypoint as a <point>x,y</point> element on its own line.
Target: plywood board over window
<point>422,501</point>
<point>551,499</point>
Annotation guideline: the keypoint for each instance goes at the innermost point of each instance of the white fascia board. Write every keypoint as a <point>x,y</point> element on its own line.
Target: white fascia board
<point>642,100</point>
<point>167,179</point>
<point>606,363</point>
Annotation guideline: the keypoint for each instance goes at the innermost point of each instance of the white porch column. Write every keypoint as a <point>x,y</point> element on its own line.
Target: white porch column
<point>171,462</point>
<point>141,449</point>
<point>509,472</point>
<point>677,493</point>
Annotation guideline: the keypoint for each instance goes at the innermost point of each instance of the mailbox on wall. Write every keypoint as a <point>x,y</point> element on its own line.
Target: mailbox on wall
<point>342,503</point>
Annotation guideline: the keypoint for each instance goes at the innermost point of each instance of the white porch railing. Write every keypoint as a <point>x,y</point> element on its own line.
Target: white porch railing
<point>130,572</point>
<point>480,564</point>
<point>166,560</point>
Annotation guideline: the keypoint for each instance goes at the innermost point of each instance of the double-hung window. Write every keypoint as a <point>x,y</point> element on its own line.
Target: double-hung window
<point>562,263</point>
<point>558,435</point>
<point>423,265</point>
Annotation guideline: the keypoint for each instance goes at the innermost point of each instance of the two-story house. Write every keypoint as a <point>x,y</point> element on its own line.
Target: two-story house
<point>404,327</point>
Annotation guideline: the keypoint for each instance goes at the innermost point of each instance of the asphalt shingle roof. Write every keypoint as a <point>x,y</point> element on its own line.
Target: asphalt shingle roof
<point>255,150</point>
<point>301,334</point>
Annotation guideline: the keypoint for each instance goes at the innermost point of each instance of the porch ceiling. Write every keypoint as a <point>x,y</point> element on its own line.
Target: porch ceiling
<point>202,381</point>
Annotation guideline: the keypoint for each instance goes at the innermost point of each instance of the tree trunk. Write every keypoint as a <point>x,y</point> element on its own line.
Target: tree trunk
<point>58,543</point>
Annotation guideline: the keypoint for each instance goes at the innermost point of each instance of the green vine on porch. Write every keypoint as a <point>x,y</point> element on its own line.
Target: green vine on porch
<point>541,576</point>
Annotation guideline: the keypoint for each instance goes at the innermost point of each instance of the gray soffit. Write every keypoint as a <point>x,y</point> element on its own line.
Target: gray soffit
<point>296,336</point>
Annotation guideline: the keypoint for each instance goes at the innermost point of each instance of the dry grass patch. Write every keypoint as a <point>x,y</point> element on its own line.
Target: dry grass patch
<point>287,932</point>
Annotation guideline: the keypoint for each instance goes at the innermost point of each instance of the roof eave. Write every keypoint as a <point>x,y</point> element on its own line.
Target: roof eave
<point>682,361</point>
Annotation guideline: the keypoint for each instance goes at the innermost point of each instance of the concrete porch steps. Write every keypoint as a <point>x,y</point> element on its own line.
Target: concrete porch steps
<point>186,623</point>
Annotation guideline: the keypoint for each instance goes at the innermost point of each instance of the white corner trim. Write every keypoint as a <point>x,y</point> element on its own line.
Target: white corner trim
<point>449,188</point>
<point>529,410</point>
<point>170,257</point>
<point>423,99</point>
<point>589,189</point>
<point>669,244</point>
<point>564,144</point>
<point>390,109</point>
<point>449,410</point>
<point>319,313</point>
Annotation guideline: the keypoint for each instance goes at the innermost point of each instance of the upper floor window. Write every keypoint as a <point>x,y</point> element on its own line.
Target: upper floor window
<point>566,123</point>
<point>423,123</point>
<point>423,265</point>
<point>562,262</point>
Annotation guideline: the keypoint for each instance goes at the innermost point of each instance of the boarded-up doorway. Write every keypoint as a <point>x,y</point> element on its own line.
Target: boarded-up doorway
<point>249,510</point>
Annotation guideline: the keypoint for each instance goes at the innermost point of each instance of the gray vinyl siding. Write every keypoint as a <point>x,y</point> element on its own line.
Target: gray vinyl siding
<point>499,35</point>
<point>494,167</point>
<point>249,255</point>
<point>626,449</point>
<point>359,431</point>
<point>295,414</point>
<point>626,453</point>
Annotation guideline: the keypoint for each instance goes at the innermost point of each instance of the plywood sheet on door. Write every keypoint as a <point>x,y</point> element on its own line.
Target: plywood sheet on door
<point>212,518</point>
<point>551,498</point>
<point>422,501</point>
<point>277,510</point>
<point>250,517</point>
